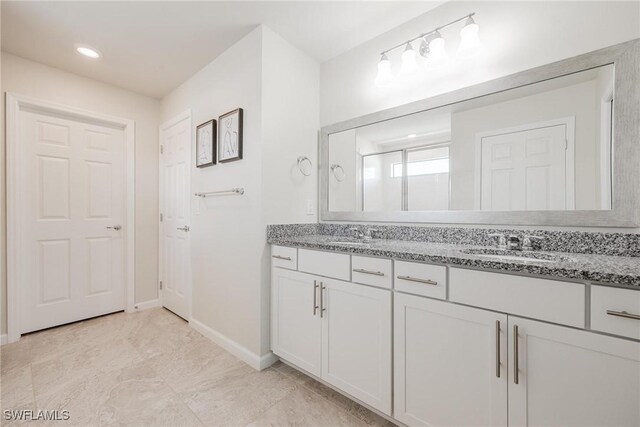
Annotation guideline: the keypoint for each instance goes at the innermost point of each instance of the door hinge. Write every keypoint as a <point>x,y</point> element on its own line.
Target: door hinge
<point>161,217</point>
<point>161,285</point>
<point>162,149</point>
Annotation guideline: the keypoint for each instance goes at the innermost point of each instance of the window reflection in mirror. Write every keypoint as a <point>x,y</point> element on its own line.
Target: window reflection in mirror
<point>545,146</point>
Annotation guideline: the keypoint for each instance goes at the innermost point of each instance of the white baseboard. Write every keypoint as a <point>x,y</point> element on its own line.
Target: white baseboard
<point>3,339</point>
<point>139,306</point>
<point>256,362</point>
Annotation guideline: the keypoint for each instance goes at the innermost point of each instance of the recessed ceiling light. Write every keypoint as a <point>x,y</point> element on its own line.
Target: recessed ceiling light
<point>412,135</point>
<point>88,52</point>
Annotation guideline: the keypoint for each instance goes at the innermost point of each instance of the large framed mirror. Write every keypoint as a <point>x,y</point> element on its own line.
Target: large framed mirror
<point>554,145</point>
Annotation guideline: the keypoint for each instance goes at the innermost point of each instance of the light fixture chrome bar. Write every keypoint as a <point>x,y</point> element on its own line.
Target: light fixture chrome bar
<point>234,191</point>
<point>442,27</point>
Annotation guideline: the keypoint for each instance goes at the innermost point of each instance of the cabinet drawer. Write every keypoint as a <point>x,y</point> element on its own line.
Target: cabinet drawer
<point>327,264</point>
<point>607,307</point>
<point>371,271</point>
<point>284,257</point>
<point>421,279</point>
<point>550,300</point>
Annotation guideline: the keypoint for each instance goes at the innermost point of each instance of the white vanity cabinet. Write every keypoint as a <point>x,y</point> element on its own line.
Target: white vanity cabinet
<point>450,364</point>
<point>447,371</point>
<point>568,377</point>
<point>295,319</point>
<point>336,330</point>
<point>356,341</point>
<point>469,347</point>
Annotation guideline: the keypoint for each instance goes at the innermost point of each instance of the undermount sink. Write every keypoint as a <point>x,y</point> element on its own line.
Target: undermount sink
<point>347,243</point>
<point>505,255</point>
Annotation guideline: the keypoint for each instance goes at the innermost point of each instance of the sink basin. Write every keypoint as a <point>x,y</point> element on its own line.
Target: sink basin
<point>505,255</point>
<point>339,242</point>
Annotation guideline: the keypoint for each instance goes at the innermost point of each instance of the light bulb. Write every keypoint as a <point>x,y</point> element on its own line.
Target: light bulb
<point>469,41</point>
<point>437,53</point>
<point>384,77</point>
<point>409,60</point>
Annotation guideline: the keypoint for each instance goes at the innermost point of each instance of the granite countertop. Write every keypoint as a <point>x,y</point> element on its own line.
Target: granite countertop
<point>621,271</point>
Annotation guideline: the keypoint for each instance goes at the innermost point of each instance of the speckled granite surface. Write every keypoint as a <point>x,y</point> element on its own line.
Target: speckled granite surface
<point>623,271</point>
<point>618,244</point>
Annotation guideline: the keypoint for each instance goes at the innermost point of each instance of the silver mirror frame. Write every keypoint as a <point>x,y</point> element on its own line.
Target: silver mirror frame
<point>625,210</point>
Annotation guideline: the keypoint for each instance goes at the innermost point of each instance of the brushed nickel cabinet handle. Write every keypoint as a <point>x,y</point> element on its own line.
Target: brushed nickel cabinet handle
<point>286,258</point>
<point>498,348</point>
<point>322,308</point>
<point>375,273</point>
<point>415,279</point>
<point>315,297</point>
<point>516,361</point>
<point>623,314</point>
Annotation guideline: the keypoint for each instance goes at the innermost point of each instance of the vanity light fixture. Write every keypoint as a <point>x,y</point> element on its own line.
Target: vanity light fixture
<point>432,49</point>
<point>88,52</point>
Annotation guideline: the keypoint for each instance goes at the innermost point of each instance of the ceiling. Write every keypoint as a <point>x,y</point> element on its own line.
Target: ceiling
<point>151,47</point>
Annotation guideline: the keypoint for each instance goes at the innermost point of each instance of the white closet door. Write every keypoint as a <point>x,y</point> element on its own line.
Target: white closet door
<point>71,251</point>
<point>525,170</point>
<point>569,377</point>
<point>175,188</point>
<point>450,364</point>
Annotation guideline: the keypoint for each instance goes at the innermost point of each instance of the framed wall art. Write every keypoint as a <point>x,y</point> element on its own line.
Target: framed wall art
<point>230,136</point>
<point>206,144</point>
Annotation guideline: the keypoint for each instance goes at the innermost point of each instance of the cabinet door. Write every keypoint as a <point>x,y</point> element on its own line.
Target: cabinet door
<point>356,341</point>
<point>450,364</point>
<point>568,377</point>
<point>295,322</point>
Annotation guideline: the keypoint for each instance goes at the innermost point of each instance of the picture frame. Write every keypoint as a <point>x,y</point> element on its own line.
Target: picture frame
<point>230,136</point>
<point>206,149</point>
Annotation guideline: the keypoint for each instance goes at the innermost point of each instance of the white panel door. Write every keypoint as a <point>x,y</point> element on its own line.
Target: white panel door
<point>450,364</point>
<point>525,170</point>
<point>567,377</point>
<point>71,250</point>
<point>356,341</point>
<point>295,318</point>
<point>175,187</point>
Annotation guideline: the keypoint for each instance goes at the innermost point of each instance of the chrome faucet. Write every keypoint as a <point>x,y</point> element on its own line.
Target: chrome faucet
<point>369,233</point>
<point>502,240</point>
<point>363,235</point>
<point>357,233</point>
<point>527,242</point>
<point>514,243</point>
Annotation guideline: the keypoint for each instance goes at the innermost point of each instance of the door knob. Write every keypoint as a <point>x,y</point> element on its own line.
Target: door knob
<point>116,227</point>
<point>185,228</point>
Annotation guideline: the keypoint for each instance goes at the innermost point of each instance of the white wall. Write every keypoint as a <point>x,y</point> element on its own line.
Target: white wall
<point>516,35</point>
<point>277,86</point>
<point>227,233</point>
<point>29,78</point>
<point>290,123</point>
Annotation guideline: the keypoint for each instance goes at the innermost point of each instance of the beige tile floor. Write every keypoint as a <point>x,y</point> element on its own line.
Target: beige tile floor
<point>151,369</point>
